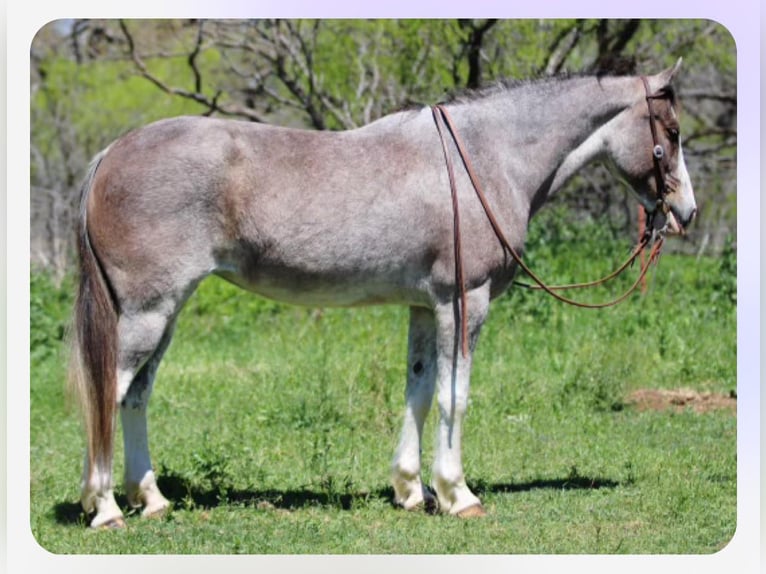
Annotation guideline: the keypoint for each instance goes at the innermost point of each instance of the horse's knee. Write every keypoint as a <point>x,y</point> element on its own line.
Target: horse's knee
<point>453,403</point>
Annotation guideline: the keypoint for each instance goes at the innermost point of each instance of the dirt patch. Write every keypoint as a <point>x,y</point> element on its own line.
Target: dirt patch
<point>681,399</point>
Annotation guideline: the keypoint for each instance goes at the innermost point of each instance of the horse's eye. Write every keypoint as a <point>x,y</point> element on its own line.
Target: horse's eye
<point>673,133</point>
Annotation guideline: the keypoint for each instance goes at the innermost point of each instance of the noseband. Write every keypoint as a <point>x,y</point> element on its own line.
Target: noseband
<point>441,117</point>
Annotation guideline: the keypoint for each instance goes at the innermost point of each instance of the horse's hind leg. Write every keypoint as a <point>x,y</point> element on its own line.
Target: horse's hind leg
<point>142,335</point>
<point>139,480</point>
<point>409,491</point>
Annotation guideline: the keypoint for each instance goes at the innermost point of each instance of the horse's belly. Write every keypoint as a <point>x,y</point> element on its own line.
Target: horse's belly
<point>325,291</point>
<point>332,265</point>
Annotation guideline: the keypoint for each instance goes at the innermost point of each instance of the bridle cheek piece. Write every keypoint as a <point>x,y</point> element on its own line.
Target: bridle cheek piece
<point>658,154</point>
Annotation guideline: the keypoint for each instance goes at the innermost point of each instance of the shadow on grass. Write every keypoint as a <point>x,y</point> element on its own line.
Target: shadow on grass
<point>182,493</point>
<point>69,513</point>
<point>568,483</point>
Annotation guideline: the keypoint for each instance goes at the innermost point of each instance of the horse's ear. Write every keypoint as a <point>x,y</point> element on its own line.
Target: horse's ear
<point>665,77</point>
<point>671,72</point>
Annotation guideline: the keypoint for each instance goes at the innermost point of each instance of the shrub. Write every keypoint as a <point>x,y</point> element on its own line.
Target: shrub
<point>49,309</point>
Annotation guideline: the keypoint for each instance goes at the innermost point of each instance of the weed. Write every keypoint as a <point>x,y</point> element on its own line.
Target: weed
<point>598,384</point>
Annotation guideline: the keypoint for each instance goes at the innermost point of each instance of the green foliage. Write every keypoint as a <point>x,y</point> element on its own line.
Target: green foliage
<point>561,250</point>
<point>388,62</point>
<point>49,309</point>
<point>102,100</point>
<point>213,469</point>
<point>222,298</point>
<point>725,282</point>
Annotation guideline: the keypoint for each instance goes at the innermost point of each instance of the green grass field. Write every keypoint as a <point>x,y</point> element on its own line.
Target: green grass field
<point>272,427</point>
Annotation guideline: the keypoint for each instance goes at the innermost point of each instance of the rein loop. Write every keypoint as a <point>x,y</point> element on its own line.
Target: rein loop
<point>441,117</point>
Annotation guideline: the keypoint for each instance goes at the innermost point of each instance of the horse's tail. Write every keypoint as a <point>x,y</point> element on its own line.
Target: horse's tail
<point>93,361</point>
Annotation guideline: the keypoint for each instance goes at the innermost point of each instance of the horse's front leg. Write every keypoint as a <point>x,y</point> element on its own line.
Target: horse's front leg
<point>409,491</point>
<point>453,379</point>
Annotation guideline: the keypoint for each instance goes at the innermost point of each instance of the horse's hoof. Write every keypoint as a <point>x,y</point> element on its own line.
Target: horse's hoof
<point>113,524</point>
<point>157,512</point>
<point>473,511</point>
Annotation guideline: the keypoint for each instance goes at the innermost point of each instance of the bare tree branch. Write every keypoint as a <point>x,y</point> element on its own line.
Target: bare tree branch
<point>472,48</point>
<point>723,97</point>
<point>193,58</point>
<point>612,38</point>
<point>211,104</point>
<point>561,47</point>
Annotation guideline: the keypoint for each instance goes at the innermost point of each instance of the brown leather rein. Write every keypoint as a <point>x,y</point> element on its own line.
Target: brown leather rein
<point>441,117</point>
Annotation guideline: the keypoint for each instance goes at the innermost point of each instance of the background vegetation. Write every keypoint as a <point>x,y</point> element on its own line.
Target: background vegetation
<point>272,426</point>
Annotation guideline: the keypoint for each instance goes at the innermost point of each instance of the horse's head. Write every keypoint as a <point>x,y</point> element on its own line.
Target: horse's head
<point>646,151</point>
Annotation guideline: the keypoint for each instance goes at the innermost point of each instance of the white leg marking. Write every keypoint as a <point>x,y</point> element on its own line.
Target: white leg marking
<point>124,378</point>
<point>97,496</point>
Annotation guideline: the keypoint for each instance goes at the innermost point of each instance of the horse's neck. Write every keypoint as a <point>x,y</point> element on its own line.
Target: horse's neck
<point>553,135</point>
<point>590,143</point>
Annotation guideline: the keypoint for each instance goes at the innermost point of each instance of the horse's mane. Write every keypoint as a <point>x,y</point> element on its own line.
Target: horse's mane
<point>468,95</point>
<point>542,83</point>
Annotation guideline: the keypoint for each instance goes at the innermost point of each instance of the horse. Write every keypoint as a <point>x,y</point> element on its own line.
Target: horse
<point>346,218</point>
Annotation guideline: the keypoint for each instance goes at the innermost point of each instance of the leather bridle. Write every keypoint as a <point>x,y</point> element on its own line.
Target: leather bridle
<point>442,117</point>
<point>658,151</point>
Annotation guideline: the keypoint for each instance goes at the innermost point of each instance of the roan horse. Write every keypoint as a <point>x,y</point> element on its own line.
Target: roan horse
<point>358,217</point>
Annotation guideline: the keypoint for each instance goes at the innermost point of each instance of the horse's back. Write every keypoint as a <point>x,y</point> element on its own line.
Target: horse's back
<point>311,217</point>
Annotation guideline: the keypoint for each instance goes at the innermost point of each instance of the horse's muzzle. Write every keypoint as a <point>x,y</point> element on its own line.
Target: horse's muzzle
<point>669,223</point>
<point>678,223</point>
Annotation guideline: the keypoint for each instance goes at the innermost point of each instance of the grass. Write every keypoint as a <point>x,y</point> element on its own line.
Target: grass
<point>272,427</point>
